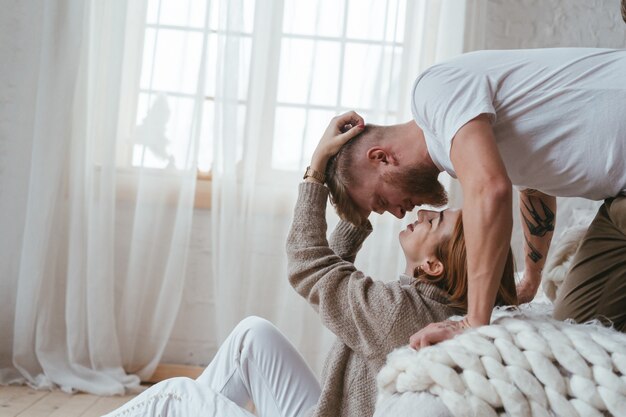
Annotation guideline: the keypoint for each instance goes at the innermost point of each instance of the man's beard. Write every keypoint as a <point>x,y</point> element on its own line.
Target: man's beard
<point>418,181</point>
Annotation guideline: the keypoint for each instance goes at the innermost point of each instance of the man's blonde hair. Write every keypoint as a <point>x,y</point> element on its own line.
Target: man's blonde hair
<point>340,172</point>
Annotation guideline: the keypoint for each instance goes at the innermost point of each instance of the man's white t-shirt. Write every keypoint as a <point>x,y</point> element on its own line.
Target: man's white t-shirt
<point>559,115</point>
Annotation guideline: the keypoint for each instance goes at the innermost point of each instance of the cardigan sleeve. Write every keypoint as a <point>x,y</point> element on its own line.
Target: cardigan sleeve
<point>357,309</point>
<point>347,239</point>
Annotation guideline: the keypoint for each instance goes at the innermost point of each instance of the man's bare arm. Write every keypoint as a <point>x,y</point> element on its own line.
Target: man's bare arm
<point>538,215</point>
<point>487,213</point>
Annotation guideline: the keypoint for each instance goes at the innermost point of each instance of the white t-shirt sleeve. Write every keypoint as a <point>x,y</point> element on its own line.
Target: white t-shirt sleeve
<point>445,98</point>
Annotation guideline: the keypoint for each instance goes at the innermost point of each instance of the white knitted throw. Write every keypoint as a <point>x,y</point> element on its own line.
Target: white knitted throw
<point>523,364</point>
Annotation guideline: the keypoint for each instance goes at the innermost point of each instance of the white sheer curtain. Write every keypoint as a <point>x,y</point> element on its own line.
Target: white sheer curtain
<point>94,247</point>
<point>267,124</point>
<point>98,164</point>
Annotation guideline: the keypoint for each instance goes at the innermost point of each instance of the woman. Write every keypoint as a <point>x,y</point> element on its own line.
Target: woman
<point>370,318</point>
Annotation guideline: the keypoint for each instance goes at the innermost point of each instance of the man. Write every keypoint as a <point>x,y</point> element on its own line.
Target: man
<point>549,121</point>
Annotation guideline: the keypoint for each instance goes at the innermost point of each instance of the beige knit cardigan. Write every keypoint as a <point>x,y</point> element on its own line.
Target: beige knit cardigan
<point>370,318</point>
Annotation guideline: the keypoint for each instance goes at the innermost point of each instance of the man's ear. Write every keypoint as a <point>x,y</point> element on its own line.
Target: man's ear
<point>433,267</point>
<point>378,155</point>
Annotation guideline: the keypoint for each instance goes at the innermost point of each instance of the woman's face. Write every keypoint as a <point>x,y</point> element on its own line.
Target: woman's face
<point>420,238</point>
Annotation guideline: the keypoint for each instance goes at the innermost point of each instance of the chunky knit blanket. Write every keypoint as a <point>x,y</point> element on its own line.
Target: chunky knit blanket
<point>523,364</point>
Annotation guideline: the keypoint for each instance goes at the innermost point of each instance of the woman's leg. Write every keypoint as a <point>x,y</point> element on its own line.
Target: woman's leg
<point>257,363</point>
<point>595,286</point>
<point>179,397</point>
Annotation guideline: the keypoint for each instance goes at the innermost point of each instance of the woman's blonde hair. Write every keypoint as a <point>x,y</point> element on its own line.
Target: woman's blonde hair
<point>452,253</point>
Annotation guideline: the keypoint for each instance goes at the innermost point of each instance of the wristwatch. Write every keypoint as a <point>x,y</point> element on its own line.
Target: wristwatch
<point>310,172</point>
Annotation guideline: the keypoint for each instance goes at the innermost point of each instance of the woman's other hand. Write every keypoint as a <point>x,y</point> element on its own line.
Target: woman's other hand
<point>435,333</point>
<point>340,130</point>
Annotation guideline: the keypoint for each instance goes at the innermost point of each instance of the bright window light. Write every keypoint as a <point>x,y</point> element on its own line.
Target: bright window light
<point>335,55</point>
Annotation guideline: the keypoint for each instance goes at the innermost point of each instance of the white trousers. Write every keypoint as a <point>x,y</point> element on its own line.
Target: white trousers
<point>255,364</point>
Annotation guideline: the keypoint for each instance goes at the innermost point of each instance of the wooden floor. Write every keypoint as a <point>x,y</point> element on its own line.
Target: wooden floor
<point>26,402</point>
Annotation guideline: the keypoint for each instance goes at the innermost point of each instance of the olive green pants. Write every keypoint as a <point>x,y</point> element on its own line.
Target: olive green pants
<point>595,287</point>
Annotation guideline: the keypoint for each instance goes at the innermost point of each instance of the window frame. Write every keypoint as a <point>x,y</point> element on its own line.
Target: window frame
<point>266,172</point>
<point>266,109</point>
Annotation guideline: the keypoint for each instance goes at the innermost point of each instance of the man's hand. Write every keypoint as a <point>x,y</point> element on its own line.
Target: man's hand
<point>527,289</point>
<point>435,333</point>
<point>341,129</point>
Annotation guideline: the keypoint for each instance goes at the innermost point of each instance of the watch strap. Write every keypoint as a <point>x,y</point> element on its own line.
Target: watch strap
<point>310,172</point>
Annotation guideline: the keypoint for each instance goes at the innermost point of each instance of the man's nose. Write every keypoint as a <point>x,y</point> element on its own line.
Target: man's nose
<point>399,212</point>
<point>423,215</point>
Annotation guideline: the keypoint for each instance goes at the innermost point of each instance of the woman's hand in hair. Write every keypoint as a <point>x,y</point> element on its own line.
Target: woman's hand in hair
<point>340,130</point>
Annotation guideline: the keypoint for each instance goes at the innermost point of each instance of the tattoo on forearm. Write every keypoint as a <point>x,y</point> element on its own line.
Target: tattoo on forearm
<point>533,254</point>
<point>538,225</point>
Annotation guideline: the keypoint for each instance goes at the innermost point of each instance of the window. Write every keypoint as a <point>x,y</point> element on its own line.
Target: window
<point>179,63</point>
<point>335,56</point>
<point>330,56</point>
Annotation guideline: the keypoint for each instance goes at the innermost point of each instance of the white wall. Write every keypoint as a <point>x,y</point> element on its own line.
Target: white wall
<point>513,24</point>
